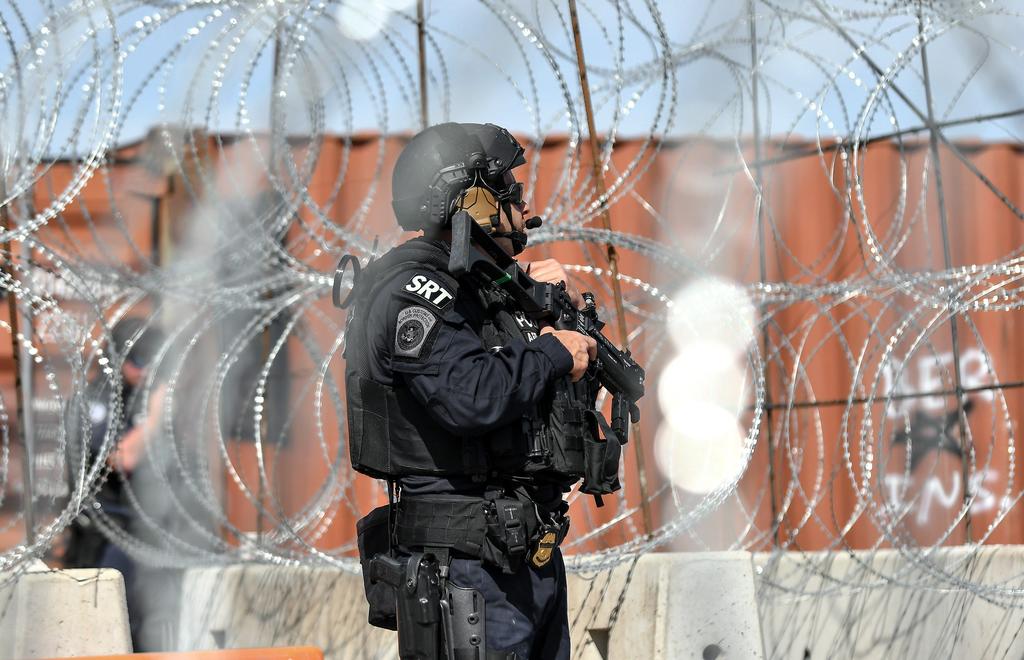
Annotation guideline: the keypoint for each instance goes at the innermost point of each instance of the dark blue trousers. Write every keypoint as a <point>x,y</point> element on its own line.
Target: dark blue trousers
<point>526,612</point>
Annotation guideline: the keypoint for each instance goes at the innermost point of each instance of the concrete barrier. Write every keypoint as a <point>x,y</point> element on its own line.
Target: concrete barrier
<point>660,607</point>
<point>867,605</point>
<point>886,604</point>
<point>667,606</point>
<point>254,605</point>
<point>49,614</point>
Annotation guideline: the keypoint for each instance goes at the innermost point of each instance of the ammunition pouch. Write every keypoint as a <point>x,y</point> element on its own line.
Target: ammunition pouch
<point>566,431</point>
<point>582,443</point>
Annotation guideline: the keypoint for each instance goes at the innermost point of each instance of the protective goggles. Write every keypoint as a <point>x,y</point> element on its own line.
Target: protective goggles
<point>512,194</point>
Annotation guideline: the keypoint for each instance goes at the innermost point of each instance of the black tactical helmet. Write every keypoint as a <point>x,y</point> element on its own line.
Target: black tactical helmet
<point>443,160</point>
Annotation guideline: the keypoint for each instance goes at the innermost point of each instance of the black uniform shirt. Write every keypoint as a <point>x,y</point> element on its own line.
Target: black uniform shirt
<point>425,335</point>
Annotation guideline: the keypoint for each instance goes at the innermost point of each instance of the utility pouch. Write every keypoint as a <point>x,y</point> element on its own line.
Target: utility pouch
<point>602,461</point>
<point>372,537</point>
<point>511,525</point>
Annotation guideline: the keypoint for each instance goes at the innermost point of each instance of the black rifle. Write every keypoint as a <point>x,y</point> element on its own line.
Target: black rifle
<point>550,303</point>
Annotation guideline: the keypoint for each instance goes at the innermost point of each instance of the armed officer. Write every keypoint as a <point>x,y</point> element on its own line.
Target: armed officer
<point>477,416</point>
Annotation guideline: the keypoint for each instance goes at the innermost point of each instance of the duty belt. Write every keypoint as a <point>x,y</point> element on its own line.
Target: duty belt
<point>503,531</point>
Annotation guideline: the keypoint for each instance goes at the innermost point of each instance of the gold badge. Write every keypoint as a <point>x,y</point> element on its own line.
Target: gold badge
<point>544,547</point>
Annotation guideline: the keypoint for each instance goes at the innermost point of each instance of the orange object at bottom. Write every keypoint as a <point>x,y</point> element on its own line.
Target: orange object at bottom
<point>282,653</point>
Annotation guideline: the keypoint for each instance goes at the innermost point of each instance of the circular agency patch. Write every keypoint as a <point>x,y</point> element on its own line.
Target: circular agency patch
<point>413,327</point>
<point>410,334</point>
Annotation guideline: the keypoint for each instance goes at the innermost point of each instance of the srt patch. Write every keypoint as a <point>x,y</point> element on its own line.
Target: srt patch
<point>426,288</point>
<point>412,329</point>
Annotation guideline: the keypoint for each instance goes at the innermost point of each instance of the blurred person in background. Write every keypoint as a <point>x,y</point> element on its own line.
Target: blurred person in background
<point>88,545</point>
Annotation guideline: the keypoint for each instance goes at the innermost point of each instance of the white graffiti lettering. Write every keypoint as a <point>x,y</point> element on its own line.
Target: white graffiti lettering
<point>935,492</point>
<point>929,374</point>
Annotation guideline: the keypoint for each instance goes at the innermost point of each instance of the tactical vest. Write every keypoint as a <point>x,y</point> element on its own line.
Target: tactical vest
<point>391,435</point>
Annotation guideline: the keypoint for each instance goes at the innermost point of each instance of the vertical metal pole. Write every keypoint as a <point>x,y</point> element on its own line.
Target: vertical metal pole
<point>421,39</point>
<point>28,418</point>
<point>762,261</point>
<point>266,339</point>
<point>947,260</point>
<point>24,425</point>
<point>613,257</point>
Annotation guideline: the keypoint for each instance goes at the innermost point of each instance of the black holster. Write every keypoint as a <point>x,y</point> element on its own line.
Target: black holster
<point>437,620</point>
<point>416,581</point>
